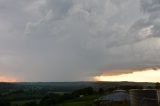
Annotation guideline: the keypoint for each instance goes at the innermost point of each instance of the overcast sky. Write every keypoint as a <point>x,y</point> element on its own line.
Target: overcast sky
<point>71,40</point>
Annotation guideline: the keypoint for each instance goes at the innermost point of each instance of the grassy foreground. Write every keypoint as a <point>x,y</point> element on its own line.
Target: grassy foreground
<point>89,101</point>
<point>84,101</point>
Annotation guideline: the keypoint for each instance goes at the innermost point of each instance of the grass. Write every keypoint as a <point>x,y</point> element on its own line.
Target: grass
<point>89,101</point>
<point>76,104</point>
<point>23,102</point>
<point>117,104</point>
<point>84,101</point>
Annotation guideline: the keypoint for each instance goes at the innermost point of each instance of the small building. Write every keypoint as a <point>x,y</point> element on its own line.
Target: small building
<point>81,96</point>
<point>116,96</point>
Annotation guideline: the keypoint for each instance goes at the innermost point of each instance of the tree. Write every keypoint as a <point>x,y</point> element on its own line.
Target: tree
<point>157,85</point>
<point>84,91</point>
<point>4,103</point>
<point>50,99</point>
<point>32,103</point>
<point>101,90</point>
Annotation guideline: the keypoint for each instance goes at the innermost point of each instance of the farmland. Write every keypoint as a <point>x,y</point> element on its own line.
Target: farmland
<point>62,93</point>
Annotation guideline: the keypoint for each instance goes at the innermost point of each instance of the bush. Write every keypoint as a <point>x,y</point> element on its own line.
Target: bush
<point>32,103</point>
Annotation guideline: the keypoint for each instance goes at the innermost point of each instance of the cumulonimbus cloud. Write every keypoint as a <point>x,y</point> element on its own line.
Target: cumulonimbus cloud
<point>68,38</point>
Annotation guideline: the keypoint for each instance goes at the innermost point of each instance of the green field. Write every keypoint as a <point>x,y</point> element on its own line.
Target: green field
<point>84,101</point>
<point>63,93</point>
<point>19,103</point>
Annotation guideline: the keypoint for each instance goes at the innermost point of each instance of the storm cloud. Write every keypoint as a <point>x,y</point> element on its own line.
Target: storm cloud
<point>70,40</point>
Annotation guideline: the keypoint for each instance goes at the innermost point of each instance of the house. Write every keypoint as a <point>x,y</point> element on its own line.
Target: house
<point>116,96</point>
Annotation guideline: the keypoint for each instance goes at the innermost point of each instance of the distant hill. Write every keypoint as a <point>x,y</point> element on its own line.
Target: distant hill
<point>69,86</point>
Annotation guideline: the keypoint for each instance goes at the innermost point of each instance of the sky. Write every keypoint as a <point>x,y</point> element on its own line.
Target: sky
<point>75,40</point>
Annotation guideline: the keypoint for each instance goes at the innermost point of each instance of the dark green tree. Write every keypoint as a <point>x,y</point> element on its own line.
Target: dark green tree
<point>157,85</point>
<point>4,103</point>
<point>32,103</point>
<point>50,99</point>
<point>101,90</point>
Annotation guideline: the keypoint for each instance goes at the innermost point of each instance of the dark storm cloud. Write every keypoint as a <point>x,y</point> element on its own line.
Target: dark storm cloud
<point>150,5</point>
<point>64,40</point>
<point>150,23</point>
